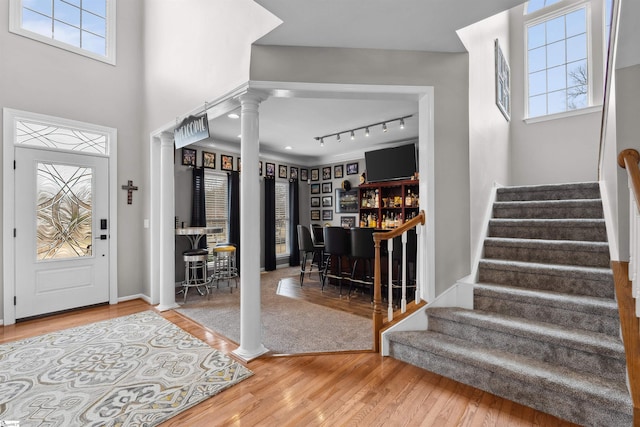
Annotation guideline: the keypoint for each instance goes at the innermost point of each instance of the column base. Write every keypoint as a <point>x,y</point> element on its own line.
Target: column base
<point>248,356</point>
<point>166,307</point>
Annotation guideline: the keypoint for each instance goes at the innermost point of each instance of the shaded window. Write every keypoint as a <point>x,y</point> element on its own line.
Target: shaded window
<point>282,218</point>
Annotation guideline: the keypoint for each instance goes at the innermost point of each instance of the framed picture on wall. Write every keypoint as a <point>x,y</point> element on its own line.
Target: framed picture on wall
<point>239,164</point>
<point>227,162</point>
<point>293,173</point>
<point>208,160</point>
<point>315,188</point>
<point>271,170</point>
<point>304,174</point>
<point>327,214</point>
<point>282,171</point>
<point>352,168</point>
<point>315,215</point>
<point>338,171</point>
<point>346,200</point>
<point>326,173</point>
<point>315,174</point>
<point>327,187</point>
<point>315,202</point>
<point>327,201</point>
<point>260,167</point>
<point>348,221</point>
<point>503,82</point>
<point>189,157</point>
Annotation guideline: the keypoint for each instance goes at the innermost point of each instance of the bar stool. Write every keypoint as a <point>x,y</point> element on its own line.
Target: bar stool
<point>306,246</point>
<point>224,264</point>
<point>362,248</point>
<point>336,244</point>
<point>317,238</point>
<point>195,271</point>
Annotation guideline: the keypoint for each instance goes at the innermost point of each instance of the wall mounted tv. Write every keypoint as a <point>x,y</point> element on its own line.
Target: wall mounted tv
<point>391,163</point>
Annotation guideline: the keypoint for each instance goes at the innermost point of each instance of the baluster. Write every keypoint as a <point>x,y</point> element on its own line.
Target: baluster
<point>632,235</point>
<point>390,279</point>
<point>419,263</point>
<point>403,303</point>
<point>635,266</point>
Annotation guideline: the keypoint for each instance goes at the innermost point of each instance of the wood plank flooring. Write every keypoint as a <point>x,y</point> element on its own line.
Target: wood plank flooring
<point>328,390</point>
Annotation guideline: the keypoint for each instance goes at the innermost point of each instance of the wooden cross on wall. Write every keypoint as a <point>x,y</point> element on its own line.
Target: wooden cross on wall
<point>130,189</point>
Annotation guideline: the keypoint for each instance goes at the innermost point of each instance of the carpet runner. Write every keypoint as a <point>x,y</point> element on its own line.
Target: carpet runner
<point>544,331</point>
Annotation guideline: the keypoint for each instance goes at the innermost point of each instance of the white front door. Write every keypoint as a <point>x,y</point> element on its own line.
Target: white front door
<point>62,231</point>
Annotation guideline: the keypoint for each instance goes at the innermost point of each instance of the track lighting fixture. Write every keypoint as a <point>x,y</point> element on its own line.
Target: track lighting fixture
<point>352,132</point>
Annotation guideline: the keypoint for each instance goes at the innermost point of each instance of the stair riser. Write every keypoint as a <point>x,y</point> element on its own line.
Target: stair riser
<point>548,212</point>
<point>550,352</point>
<point>518,195</point>
<point>541,313</point>
<point>548,255</point>
<point>549,400</point>
<point>558,283</point>
<point>588,234</point>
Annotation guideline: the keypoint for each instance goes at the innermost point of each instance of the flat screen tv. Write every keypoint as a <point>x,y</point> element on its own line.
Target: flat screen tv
<point>391,163</point>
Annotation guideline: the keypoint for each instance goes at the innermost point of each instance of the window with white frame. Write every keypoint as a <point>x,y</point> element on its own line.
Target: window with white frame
<point>86,27</point>
<point>557,59</point>
<point>282,218</point>
<point>216,203</point>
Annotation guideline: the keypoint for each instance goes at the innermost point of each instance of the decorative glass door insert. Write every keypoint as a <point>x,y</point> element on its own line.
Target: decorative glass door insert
<point>63,211</point>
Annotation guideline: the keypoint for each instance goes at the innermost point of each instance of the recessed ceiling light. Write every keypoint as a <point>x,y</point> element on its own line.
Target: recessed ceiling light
<point>233,115</point>
<point>240,136</point>
<point>288,147</point>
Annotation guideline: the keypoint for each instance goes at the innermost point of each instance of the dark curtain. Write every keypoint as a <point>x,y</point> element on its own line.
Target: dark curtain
<point>269,224</point>
<point>294,220</point>
<point>234,212</point>
<point>198,213</point>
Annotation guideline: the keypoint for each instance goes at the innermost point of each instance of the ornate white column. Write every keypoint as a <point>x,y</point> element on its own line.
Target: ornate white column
<point>167,225</point>
<point>250,311</point>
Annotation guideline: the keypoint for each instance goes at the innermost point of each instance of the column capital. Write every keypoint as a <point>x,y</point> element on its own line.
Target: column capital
<point>252,97</point>
<point>166,138</point>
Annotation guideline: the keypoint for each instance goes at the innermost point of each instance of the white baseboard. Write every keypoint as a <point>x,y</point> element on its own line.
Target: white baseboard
<point>137,296</point>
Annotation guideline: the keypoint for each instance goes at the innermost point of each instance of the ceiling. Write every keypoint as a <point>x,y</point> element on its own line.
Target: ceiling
<point>422,25</point>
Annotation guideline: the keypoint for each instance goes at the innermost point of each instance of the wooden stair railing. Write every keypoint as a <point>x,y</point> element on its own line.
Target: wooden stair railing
<point>378,320</point>
<point>627,281</point>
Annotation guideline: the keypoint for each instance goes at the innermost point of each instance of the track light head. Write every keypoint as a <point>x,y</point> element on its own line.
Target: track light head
<point>384,127</point>
<point>338,137</point>
<point>366,132</point>
<point>321,142</point>
<point>353,136</point>
<point>401,123</point>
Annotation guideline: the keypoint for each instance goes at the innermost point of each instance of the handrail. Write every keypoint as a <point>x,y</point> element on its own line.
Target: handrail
<point>377,287</point>
<point>628,159</point>
<point>627,280</point>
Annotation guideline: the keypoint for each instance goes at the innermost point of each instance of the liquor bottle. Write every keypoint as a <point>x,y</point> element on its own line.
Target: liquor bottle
<point>408,201</point>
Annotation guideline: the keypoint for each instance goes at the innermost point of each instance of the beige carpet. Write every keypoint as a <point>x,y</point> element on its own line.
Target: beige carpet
<point>137,370</point>
<point>290,326</point>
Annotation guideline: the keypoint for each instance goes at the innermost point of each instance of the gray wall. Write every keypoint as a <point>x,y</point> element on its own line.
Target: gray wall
<point>489,143</point>
<point>448,74</point>
<point>43,79</point>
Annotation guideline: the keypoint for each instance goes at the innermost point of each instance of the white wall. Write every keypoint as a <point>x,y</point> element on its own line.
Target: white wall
<point>40,78</point>
<point>489,144</point>
<point>628,136</point>
<point>553,151</point>
<point>448,74</point>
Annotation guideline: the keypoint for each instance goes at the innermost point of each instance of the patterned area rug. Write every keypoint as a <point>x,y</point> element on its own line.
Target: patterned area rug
<point>137,370</point>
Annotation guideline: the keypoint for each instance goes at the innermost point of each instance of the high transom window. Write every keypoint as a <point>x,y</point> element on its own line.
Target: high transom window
<point>82,26</point>
<point>558,74</point>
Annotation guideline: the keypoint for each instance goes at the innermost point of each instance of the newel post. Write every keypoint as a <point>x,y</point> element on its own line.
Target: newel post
<point>377,296</point>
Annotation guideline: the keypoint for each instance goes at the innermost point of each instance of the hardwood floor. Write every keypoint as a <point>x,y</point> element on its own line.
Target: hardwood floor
<point>334,389</point>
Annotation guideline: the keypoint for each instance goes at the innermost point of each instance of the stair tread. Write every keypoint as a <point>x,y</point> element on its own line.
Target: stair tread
<point>547,222</point>
<point>531,370</point>
<point>581,303</point>
<point>593,185</point>
<point>547,203</point>
<point>578,339</point>
<point>554,244</point>
<point>560,269</point>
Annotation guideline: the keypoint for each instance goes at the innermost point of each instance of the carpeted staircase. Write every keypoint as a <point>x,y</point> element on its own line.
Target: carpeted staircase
<point>544,331</point>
